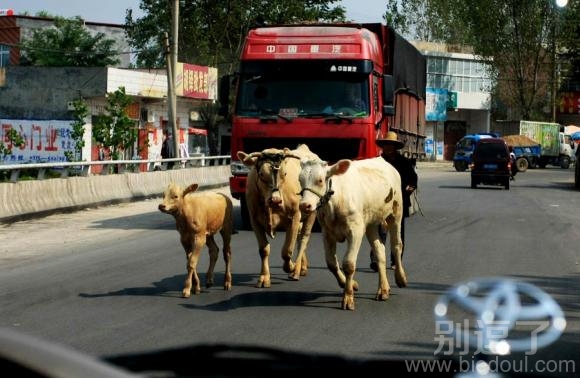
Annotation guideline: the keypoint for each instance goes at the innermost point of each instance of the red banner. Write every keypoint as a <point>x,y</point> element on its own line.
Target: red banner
<point>569,103</point>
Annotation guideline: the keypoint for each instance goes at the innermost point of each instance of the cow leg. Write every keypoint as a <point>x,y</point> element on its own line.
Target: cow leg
<point>290,244</point>
<point>227,252</point>
<point>213,256</point>
<point>378,249</point>
<point>301,266</point>
<point>354,240</point>
<point>332,262</point>
<point>396,250</point>
<point>192,280</point>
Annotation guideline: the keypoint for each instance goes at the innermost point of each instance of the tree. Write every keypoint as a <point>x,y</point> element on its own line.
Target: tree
<point>211,32</point>
<point>80,112</point>
<point>513,36</point>
<point>67,44</point>
<point>569,43</point>
<point>114,130</point>
<point>415,19</point>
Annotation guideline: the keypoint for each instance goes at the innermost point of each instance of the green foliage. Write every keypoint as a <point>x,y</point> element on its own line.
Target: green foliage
<point>211,32</point>
<point>114,130</point>
<point>14,138</point>
<point>68,44</point>
<point>415,19</point>
<point>514,37</point>
<point>80,112</point>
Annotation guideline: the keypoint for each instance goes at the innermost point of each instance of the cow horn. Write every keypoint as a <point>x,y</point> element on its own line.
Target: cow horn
<point>291,155</point>
<point>255,154</point>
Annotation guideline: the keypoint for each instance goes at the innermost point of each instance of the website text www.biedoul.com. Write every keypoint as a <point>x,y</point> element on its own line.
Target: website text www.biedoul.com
<point>492,365</point>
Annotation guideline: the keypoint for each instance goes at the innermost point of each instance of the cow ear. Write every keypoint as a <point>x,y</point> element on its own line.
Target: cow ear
<point>190,189</point>
<point>339,168</point>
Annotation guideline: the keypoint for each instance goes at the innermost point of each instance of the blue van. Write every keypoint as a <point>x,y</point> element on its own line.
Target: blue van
<point>464,149</point>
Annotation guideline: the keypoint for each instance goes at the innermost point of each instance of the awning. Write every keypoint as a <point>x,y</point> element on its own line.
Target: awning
<point>196,131</point>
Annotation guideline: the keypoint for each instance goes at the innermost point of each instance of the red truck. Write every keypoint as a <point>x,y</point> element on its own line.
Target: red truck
<point>334,87</point>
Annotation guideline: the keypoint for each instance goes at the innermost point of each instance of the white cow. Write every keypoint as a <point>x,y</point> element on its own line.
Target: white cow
<point>352,198</point>
<point>272,195</point>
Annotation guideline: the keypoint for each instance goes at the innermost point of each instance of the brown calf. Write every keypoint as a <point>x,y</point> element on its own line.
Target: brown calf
<point>198,217</point>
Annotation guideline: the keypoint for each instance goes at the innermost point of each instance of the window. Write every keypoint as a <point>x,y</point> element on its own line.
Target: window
<point>4,56</point>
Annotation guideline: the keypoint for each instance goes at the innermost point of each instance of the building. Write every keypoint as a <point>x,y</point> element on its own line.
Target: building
<point>458,97</point>
<point>13,29</point>
<point>37,101</point>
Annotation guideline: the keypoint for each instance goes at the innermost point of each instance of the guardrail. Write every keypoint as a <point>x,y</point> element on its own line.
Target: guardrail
<point>23,199</point>
<point>82,168</point>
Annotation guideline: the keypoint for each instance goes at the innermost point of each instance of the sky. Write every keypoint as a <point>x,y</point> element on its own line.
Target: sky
<point>113,11</point>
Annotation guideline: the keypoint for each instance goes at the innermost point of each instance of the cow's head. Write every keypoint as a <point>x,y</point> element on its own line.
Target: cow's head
<point>315,180</point>
<point>173,197</point>
<point>270,170</point>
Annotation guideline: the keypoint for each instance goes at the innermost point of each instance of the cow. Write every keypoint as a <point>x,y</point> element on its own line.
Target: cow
<point>351,199</point>
<point>198,217</point>
<point>272,196</point>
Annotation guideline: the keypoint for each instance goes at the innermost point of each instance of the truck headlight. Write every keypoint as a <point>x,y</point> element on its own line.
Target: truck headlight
<point>238,168</point>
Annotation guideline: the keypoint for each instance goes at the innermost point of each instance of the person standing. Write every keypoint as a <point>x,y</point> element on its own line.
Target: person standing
<point>390,147</point>
<point>167,148</point>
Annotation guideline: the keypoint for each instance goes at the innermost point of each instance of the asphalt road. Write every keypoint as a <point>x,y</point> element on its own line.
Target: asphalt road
<point>107,281</point>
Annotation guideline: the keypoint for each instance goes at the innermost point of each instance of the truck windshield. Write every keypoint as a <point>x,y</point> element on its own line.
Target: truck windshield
<point>303,96</point>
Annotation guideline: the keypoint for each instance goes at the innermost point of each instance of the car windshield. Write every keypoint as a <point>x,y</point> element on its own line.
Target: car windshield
<point>303,96</point>
<point>294,206</point>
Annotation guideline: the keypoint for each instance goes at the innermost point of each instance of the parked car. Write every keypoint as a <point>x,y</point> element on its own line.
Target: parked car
<point>464,149</point>
<point>491,163</point>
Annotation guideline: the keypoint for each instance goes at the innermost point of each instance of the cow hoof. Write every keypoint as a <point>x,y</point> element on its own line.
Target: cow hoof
<point>262,282</point>
<point>197,291</point>
<point>303,272</point>
<point>186,293</point>
<point>348,302</point>
<point>289,267</point>
<point>209,284</point>
<point>294,277</point>
<point>400,278</point>
<point>382,295</point>
<point>228,286</point>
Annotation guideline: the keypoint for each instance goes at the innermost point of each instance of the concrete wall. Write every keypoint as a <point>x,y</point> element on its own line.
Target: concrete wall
<point>26,199</point>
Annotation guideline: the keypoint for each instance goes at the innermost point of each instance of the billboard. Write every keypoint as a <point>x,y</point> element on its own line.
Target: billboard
<point>436,104</point>
<point>44,141</point>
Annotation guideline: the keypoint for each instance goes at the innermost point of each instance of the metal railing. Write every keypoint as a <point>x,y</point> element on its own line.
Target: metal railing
<point>83,168</point>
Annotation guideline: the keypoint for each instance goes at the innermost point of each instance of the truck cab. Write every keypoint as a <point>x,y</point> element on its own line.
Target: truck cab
<point>465,147</point>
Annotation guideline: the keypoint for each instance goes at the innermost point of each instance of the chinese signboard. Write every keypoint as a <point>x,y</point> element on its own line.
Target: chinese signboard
<point>44,141</point>
<point>196,81</point>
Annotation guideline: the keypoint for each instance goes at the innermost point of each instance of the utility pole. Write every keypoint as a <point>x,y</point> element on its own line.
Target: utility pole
<point>555,64</point>
<point>171,61</point>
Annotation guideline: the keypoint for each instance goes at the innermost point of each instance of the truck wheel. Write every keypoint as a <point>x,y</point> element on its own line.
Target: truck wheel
<point>522,164</point>
<point>565,162</point>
